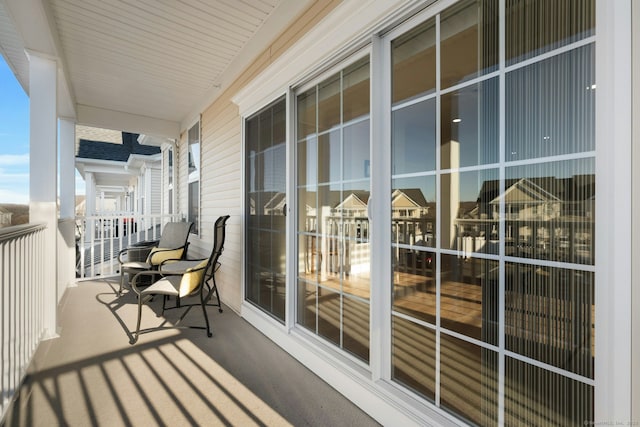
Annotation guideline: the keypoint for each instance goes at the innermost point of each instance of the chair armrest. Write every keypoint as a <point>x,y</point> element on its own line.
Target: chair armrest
<point>146,245</point>
<point>177,267</point>
<point>139,276</point>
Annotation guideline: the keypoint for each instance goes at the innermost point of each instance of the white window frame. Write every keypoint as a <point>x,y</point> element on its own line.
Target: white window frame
<point>189,179</point>
<point>614,122</point>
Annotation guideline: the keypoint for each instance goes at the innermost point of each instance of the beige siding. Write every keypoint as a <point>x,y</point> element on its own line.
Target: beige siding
<point>221,179</point>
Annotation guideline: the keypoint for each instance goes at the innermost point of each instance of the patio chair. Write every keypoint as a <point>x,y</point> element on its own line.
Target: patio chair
<point>182,279</point>
<point>149,255</point>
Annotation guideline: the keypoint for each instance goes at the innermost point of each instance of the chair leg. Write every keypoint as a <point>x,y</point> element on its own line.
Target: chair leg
<point>203,303</point>
<point>121,281</point>
<point>215,290</point>
<point>134,339</point>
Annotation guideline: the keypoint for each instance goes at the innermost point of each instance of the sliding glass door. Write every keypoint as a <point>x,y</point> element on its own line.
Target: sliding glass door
<point>265,209</point>
<point>333,171</point>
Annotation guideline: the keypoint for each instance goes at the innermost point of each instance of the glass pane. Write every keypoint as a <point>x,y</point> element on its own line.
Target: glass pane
<point>307,211</point>
<point>414,62</point>
<point>413,353</point>
<point>280,123</point>
<point>329,315</point>
<point>308,161</point>
<point>329,157</point>
<point>355,337</point>
<point>469,211</point>
<point>414,283</point>
<point>550,106</point>
<point>550,211</point>
<point>306,312</point>
<point>549,316</point>
<point>328,199</point>
<point>469,46</point>
<point>356,90</point>
<point>329,103</point>
<point>306,116</point>
<point>537,397</point>
<point>308,257</point>
<point>469,126</point>
<point>469,380</point>
<point>266,203</point>
<point>536,27</point>
<point>413,216</point>
<point>357,163</point>
<point>469,297</point>
<point>413,140</point>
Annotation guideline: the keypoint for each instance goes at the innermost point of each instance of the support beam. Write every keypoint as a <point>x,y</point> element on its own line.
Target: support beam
<point>43,172</point>
<point>118,120</point>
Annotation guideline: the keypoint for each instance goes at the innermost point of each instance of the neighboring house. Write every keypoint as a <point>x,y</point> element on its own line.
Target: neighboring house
<point>5,218</point>
<point>478,301</point>
<point>120,175</point>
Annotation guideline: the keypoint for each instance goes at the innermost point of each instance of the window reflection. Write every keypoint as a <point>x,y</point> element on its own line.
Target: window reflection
<point>469,223</point>
<point>414,62</point>
<point>469,126</point>
<point>266,209</point>
<point>469,34</point>
<point>413,143</point>
<point>550,106</point>
<point>333,176</point>
<point>536,27</point>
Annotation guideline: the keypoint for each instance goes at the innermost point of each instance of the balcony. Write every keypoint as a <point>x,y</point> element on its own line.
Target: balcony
<point>90,375</point>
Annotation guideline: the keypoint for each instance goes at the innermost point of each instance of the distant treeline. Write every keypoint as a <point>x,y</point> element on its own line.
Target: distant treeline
<point>20,213</point>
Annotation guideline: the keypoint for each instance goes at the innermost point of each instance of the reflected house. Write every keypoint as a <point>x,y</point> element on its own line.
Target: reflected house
<point>546,218</point>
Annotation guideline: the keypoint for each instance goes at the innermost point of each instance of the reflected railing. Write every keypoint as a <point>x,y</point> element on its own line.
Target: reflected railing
<point>22,282</point>
<point>99,239</point>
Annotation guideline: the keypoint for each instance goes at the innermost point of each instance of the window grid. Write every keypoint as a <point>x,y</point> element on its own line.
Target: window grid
<point>501,257</point>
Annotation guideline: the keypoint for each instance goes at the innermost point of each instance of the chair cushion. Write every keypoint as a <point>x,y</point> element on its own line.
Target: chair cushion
<point>159,255</point>
<point>166,286</point>
<point>136,265</point>
<point>191,279</point>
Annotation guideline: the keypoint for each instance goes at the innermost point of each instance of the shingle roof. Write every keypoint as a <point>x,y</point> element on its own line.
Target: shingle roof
<point>116,152</point>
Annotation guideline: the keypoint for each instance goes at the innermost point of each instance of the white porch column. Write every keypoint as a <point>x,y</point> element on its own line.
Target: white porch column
<point>67,223</point>
<point>43,171</point>
<point>67,168</point>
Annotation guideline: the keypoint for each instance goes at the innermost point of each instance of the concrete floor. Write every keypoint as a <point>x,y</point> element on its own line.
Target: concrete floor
<point>92,376</point>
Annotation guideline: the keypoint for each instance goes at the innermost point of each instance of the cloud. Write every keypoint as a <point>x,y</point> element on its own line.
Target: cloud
<point>14,159</point>
<point>10,196</point>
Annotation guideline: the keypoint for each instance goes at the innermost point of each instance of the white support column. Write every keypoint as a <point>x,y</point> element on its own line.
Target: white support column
<point>43,171</point>
<point>66,226</point>
<point>67,168</point>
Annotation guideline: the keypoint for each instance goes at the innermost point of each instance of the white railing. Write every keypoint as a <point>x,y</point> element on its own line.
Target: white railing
<point>101,237</point>
<point>22,303</point>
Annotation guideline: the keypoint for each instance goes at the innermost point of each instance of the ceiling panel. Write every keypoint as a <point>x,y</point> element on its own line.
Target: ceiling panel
<point>153,58</point>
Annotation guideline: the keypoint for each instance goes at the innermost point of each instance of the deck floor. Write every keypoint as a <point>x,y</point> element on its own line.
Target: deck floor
<point>91,375</point>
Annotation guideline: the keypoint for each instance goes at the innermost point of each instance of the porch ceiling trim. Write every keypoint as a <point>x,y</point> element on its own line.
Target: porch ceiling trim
<point>118,120</point>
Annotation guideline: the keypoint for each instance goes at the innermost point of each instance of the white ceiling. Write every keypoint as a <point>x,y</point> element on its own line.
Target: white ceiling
<point>149,61</point>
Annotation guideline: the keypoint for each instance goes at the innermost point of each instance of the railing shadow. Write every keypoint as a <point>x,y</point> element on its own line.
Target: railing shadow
<point>237,377</point>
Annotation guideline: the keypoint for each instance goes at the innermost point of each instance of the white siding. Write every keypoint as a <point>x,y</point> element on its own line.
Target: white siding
<point>156,190</point>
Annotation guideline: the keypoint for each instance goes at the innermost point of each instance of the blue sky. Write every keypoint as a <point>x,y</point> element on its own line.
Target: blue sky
<point>14,138</point>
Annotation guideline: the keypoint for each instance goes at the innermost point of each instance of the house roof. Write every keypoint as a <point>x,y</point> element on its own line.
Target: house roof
<point>115,152</point>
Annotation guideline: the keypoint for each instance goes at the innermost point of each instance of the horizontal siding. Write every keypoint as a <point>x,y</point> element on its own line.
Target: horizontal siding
<point>221,189</point>
<point>156,191</point>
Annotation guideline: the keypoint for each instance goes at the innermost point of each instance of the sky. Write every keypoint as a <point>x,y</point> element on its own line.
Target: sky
<point>14,138</point>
